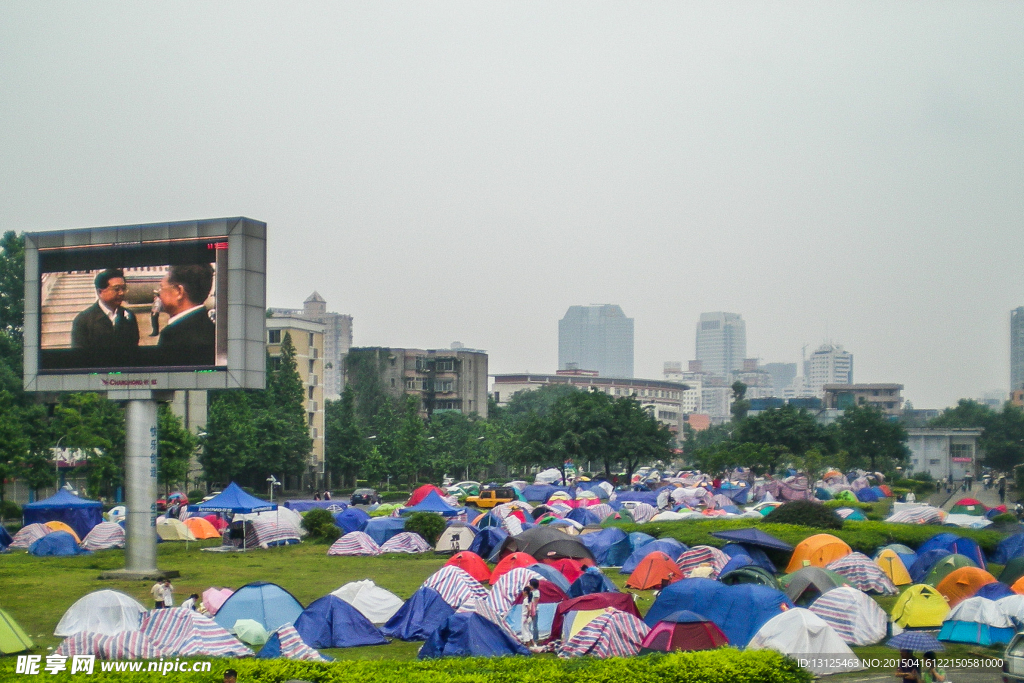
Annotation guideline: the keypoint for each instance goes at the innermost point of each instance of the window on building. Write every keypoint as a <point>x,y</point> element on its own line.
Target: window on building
<point>274,336</point>
<point>445,365</point>
<point>275,363</point>
<point>311,340</point>
<point>311,416</point>
<point>313,433</point>
<point>444,385</point>
<point>960,450</point>
<point>933,461</point>
<point>311,392</point>
<point>311,368</point>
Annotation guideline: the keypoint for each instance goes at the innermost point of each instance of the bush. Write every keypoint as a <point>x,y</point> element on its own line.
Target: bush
<point>9,510</point>
<point>836,504</point>
<point>195,496</point>
<point>320,527</point>
<point>920,487</point>
<point>429,525</point>
<point>394,496</point>
<point>806,513</point>
<point>1005,518</point>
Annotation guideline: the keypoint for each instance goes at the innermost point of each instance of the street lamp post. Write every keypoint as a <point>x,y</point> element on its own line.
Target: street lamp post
<point>56,464</point>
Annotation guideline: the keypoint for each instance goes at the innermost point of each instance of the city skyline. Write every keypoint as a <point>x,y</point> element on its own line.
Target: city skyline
<point>845,172</point>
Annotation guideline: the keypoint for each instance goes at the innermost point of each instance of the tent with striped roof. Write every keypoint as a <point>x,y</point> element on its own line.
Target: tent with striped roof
<point>104,536</point>
<point>861,572</point>
<point>286,643</point>
<point>699,554</point>
<point>920,514</point>
<point>123,645</point>
<point>506,589</point>
<point>855,617</point>
<point>29,534</point>
<point>354,543</point>
<point>455,585</point>
<point>408,542</point>
<point>612,634</point>
<point>187,633</point>
<point>550,597</point>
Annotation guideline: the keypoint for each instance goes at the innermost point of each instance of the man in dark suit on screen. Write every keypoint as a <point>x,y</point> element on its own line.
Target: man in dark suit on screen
<point>106,331</point>
<point>189,338</point>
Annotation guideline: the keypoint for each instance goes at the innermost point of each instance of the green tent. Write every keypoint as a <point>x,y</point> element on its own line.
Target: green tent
<point>1013,570</point>
<point>750,574</point>
<point>12,637</point>
<point>847,496</point>
<point>945,566</point>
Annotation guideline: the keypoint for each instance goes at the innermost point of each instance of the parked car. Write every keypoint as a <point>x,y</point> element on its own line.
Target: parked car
<point>489,498</point>
<point>1013,660</point>
<point>364,497</point>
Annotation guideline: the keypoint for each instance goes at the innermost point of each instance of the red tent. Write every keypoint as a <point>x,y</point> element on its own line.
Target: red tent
<point>472,564</point>
<point>419,494</point>
<point>509,563</point>
<point>217,521</point>
<point>571,569</point>
<point>684,630</point>
<point>620,601</point>
<point>549,592</point>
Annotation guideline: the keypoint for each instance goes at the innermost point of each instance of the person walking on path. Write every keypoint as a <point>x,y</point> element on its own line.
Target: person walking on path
<point>1002,490</point>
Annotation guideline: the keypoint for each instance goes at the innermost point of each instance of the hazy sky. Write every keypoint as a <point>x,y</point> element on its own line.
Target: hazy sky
<point>468,170</point>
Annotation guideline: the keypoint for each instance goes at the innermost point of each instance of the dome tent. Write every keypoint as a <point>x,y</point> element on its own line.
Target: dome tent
<point>266,603</point>
<point>420,616</point>
<point>468,634</point>
<point>855,617</point>
<point>802,633</point>
<point>103,536</point>
<point>104,612</point>
<point>331,622</point>
<point>57,544</point>
<point>683,631</point>
<point>920,606</point>
<point>978,621</point>
<point>373,602</point>
<point>12,637</point>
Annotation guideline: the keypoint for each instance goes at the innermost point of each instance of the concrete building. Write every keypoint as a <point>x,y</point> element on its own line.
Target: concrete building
<point>307,337</point>
<point>452,379</point>
<point>782,376</point>
<point>886,397</point>
<point>1017,349</point>
<point>721,343</point>
<point>337,339</point>
<point>664,399</point>
<point>707,393</point>
<point>944,452</point>
<point>829,364</point>
<point>596,337</point>
<point>759,382</point>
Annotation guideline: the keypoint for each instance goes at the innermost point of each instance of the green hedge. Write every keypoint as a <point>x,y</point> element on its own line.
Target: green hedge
<point>865,537</point>
<point>717,666</point>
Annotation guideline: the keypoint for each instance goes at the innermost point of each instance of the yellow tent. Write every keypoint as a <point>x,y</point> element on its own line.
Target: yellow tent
<point>920,606</point>
<point>893,567</point>
<point>61,526</point>
<point>173,530</point>
<point>817,551</point>
<point>582,618</point>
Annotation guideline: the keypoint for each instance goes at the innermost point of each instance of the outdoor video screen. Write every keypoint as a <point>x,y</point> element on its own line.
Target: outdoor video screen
<point>156,306</point>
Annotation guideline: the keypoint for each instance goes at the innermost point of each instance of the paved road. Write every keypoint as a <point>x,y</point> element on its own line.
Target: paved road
<point>955,676</point>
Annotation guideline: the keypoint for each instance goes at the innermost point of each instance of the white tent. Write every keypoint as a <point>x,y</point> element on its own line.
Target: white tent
<point>855,617</point>
<point>105,612</point>
<point>801,633</point>
<point>548,476</point>
<point>1012,606</point>
<point>455,538</point>
<point>980,611</point>
<point>373,602</point>
<point>281,515</point>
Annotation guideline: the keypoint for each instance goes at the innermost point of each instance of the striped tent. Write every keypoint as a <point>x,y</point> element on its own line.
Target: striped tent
<point>512,525</point>
<point>483,608</point>
<point>853,615</point>
<point>859,570</point>
<point>612,634</point>
<point>286,643</point>
<point>407,542</point>
<point>602,510</point>
<point>186,633</point>
<point>29,534</point>
<point>455,586</point>
<point>264,533</point>
<point>507,588</point>
<point>354,543</point>
<point>642,512</point>
<point>699,554</point>
<point>921,514</point>
<point>560,507</point>
<point>124,645</point>
<point>103,536</point>
<point>502,511</point>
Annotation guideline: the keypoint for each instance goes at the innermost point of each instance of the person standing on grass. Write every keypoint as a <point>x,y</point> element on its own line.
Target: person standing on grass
<point>1002,490</point>
<point>157,591</point>
<point>168,593</point>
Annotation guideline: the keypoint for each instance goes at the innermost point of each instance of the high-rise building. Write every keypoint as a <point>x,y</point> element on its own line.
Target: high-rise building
<point>337,339</point>
<point>830,364</point>
<point>597,337</point>
<point>782,375</point>
<point>721,343</point>
<point>1017,349</point>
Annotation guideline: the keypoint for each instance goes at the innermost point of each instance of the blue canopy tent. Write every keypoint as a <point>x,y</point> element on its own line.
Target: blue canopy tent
<point>56,544</point>
<point>266,603</point>
<point>78,513</point>
<point>332,622</point>
<point>433,503</point>
<point>610,547</point>
<point>420,616</point>
<point>235,501</point>
<point>754,537</point>
<point>351,519</point>
<point>467,634</point>
<point>301,506</point>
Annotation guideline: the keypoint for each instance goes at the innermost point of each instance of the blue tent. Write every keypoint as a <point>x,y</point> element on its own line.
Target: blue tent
<point>735,562</point>
<point>488,543</point>
<point>541,492</point>
<point>433,503</point>
<point>924,563</point>
<point>594,486</point>
<point>1008,548</point>
<point>78,513</point>
<point>908,556</point>
<point>332,622</point>
<point>669,546</point>
<point>592,580</point>
<point>420,616</point>
<point>738,610</point>
<point>994,591</point>
<point>753,553</point>
<point>233,499</point>
<point>467,634</point>
<point>879,491</point>
<point>958,545</point>
<point>738,494</point>
<point>638,539</point>
<point>974,633</point>
<point>610,547</point>
<point>649,497</point>
<point>58,543</point>
<point>5,537</point>
<point>866,495</point>
<point>351,519</point>
<point>380,529</point>
<point>553,575</point>
<point>583,516</point>
<point>489,520</point>
<point>822,494</point>
<point>266,603</point>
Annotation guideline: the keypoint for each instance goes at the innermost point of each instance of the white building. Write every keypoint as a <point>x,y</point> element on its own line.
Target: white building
<point>721,343</point>
<point>830,364</point>
<point>944,452</point>
<point>337,329</point>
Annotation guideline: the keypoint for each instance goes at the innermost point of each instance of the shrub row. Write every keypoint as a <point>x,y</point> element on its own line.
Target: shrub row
<point>717,666</point>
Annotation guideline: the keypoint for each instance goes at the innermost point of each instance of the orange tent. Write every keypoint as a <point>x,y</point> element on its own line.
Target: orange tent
<point>472,564</point>
<point>657,570</point>
<point>818,551</point>
<point>963,583</point>
<point>201,528</point>
<point>61,526</point>
<point>510,562</point>
<point>1018,586</point>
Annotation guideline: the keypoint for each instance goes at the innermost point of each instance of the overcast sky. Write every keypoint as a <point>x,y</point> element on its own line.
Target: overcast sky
<point>468,170</point>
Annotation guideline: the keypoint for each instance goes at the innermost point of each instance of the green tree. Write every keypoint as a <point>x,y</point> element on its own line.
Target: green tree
<point>175,447</point>
<point>1003,438</point>
<point>636,437</point>
<point>14,444</point>
<point>364,372</point>
<point>88,421</point>
<point>345,446</point>
<point>870,438</point>
<point>229,443</point>
<point>794,431</point>
<point>282,431</point>
<point>411,441</point>
<point>12,284</point>
<point>966,414</point>
<point>740,405</point>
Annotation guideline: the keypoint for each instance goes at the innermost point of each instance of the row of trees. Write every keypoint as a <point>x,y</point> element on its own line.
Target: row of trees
<point>1002,437</point>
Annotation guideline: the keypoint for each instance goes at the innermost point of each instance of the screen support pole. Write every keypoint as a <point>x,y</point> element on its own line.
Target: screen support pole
<point>140,486</point>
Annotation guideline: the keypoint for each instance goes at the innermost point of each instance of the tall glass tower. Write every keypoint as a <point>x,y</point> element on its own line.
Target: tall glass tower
<point>721,343</point>
<point>597,337</point>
